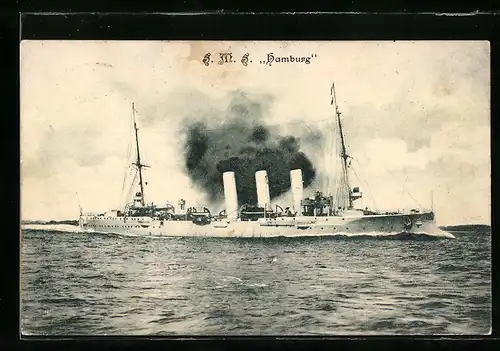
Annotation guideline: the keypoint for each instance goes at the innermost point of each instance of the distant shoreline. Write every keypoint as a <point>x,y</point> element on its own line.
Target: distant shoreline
<point>480,228</point>
<point>454,228</point>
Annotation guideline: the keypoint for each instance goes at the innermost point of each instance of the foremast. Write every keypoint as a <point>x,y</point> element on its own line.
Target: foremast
<point>345,195</point>
<point>138,163</point>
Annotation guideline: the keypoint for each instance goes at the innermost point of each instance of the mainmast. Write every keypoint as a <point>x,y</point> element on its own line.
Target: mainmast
<point>343,151</point>
<point>138,163</point>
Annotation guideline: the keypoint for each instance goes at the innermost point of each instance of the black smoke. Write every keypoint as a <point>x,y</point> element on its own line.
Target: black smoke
<point>237,140</point>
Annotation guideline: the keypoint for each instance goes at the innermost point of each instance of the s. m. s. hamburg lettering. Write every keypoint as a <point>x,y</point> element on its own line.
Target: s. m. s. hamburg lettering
<point>225,58</point>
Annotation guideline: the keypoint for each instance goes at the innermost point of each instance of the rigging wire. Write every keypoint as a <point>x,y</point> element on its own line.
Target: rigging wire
<point>128,169</point>
<point>131,188</point>
<point>364,184</point>
<point>337,164</point>
<point>124,195</point>
<point>406,191</point>
<point>127,172</point>
<point>327,181</point>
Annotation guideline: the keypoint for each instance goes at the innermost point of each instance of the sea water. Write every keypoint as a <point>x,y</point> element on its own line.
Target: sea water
<point>94,284</point>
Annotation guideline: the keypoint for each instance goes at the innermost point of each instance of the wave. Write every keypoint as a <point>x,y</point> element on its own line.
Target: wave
<point>396,235</point>
<point>62,228</point>
<point>438,234</point>
<point>71,229</point>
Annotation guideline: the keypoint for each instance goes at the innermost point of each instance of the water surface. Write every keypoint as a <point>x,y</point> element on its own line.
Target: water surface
<point>92,284</point>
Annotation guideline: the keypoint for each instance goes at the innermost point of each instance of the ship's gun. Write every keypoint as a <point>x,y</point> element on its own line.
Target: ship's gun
<point>199,216</point>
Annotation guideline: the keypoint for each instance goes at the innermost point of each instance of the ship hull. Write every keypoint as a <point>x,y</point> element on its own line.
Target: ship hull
<point>281,226</point>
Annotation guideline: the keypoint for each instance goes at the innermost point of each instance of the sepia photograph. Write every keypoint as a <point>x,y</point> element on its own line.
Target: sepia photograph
<point>198,188</point>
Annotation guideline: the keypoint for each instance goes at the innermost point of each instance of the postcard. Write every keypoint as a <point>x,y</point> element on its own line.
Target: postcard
<point>255,188</point>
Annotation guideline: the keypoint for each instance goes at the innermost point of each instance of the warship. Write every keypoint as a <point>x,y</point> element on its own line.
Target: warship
<point>323,213</point>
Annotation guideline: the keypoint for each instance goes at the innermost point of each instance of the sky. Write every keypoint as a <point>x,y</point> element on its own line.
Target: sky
<point>416,117</point>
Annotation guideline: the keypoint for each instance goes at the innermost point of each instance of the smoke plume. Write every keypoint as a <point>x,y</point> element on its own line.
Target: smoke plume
<point>237,140</point>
